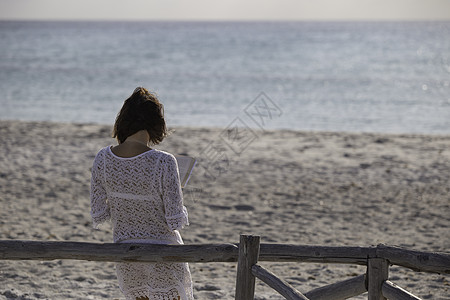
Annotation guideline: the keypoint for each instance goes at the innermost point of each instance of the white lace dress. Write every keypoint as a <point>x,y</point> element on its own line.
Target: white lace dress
<point>142,198</point>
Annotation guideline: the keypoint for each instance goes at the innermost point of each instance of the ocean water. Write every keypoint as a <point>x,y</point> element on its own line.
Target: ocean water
<point>338,76</point>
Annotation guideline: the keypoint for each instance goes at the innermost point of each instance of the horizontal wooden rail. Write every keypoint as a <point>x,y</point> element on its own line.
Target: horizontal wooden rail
<point>394,292</point>
<point>33,250</point>
<point>340,290</point>
<point>194,253</point>
<point>432,262</point>
<point>284,288</point>
<point>416,260</point>
<point>315,254</point>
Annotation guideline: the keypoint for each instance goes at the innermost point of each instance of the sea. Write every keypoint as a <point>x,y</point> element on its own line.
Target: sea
<point>387,77</point>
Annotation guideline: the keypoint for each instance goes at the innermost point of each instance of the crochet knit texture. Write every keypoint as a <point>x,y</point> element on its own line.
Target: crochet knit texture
<point>142,198</point>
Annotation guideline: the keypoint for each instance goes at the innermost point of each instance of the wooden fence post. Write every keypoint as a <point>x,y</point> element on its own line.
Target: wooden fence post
<point>377,273</point>
<point>248,256</point>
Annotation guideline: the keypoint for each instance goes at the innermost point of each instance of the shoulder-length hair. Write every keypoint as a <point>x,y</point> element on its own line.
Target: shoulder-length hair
<point>141,111</point>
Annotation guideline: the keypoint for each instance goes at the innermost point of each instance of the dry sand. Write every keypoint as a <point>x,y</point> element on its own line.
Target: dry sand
<point>286,186</point>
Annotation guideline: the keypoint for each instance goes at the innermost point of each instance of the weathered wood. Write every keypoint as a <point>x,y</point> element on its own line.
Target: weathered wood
<point>34,250</point>
<point>416,260</point>
<point>315,254</point>
<point>340,290</point>
<point>377,259</point>
<point>284,288</point>
<point>394,292</point>
<point>38,250</point>
<point>248,256</point>
<point>377,273</point>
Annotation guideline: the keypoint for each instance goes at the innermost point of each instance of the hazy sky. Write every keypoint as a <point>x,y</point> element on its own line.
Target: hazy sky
<point>226,9</point>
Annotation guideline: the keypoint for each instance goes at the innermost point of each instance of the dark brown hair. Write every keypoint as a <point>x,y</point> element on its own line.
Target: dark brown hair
<point>141,111</point>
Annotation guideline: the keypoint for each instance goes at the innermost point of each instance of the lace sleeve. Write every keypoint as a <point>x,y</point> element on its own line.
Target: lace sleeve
<point>175,212</point>
<point>99,207</point>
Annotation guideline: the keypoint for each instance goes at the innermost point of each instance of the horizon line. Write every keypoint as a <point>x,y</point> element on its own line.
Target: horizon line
<point>199,20</point>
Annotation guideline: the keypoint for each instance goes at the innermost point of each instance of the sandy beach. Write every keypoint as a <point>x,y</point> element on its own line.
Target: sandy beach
<point>313,188</point>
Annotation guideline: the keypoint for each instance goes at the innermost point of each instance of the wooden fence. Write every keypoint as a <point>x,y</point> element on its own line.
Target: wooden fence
<point>247,254</point>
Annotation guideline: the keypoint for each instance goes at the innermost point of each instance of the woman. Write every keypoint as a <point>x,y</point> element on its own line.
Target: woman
<point>138,189</point>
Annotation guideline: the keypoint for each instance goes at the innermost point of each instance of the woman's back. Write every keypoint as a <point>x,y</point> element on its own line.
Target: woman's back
<point>142,192</point>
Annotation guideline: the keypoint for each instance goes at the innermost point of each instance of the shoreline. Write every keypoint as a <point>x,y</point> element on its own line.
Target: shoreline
<point>297,187</point>
<point>221,128</point>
